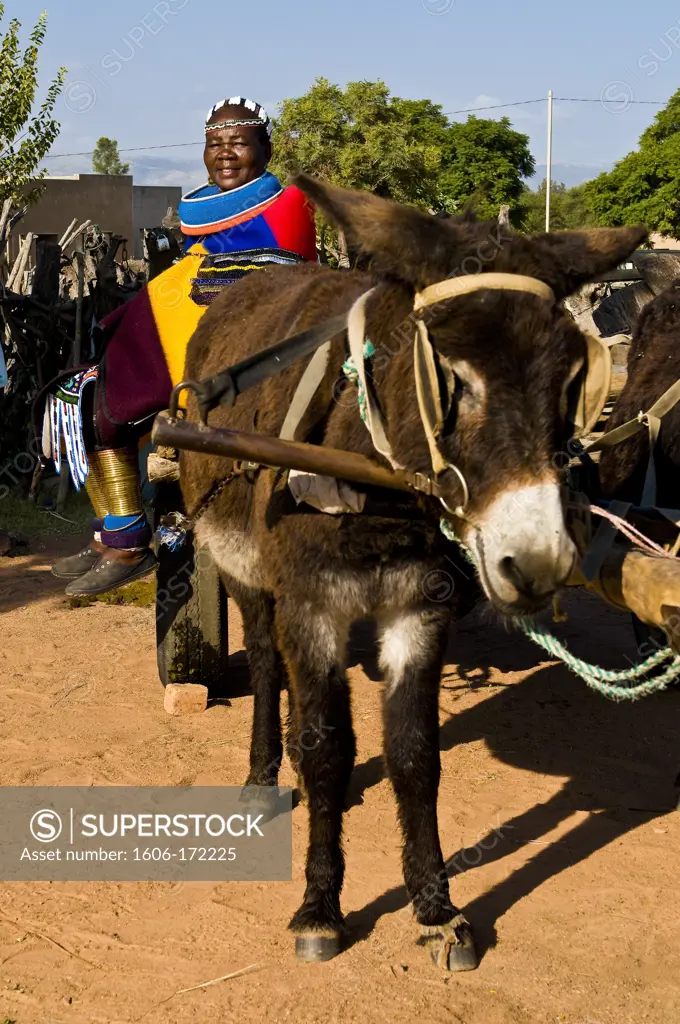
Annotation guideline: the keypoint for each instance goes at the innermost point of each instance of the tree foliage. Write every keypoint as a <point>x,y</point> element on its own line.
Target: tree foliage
<point>407,150</point>
<point>25,137</point>
<point>644,187</point>
<point>106,158</point>
<point>568,209</point>
<point>483,163</point>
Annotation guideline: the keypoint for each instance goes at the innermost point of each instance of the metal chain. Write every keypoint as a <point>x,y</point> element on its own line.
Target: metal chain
<point>186,523</point>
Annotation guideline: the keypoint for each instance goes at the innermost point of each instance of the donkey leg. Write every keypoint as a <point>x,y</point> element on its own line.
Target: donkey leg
<point>267,677</point>
<point>411,655</point>
<point>322,748</point>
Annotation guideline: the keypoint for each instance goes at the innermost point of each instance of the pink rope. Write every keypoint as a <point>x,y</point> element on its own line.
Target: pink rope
<point>631,532</point>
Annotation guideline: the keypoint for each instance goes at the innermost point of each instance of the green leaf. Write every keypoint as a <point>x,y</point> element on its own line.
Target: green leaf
<point>25,136</point>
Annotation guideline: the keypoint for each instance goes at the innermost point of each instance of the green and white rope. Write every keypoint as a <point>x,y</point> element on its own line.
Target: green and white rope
<point>611,684</point>
<point>351,372</point>
<point>614,684</point>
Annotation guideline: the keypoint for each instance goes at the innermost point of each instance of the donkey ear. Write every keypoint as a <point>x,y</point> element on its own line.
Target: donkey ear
<point>581,255</point>
<point>401,241</point>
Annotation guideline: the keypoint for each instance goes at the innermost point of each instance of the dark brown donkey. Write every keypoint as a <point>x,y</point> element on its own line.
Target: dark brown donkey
<point>653,366</point>
<point>301,577</point>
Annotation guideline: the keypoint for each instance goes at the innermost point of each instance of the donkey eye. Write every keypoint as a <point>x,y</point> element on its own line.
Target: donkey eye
<point>462,389</point>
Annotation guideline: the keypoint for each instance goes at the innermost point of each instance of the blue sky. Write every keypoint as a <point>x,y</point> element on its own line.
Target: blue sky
<point>145,71</point>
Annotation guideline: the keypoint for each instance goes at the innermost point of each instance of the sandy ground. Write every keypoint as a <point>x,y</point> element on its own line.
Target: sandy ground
<point>556,800</point>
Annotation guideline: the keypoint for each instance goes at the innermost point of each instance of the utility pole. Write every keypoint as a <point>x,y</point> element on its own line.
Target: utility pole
<point>548,178</point>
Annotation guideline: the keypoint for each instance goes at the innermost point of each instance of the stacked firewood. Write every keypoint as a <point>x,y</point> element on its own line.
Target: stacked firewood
<point>51,294</point>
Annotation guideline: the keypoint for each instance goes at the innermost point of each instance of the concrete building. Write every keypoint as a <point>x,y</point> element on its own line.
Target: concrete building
<point>111,201</point>
<point>664,242</point>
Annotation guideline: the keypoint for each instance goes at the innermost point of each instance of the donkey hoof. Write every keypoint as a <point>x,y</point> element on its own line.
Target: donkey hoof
<point>451,945</point>
<point>315,947</point>
<point>253,792</point>
<point>264,799</point>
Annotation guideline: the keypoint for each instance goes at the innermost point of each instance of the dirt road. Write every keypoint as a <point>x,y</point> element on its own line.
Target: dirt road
<point>554,800</point>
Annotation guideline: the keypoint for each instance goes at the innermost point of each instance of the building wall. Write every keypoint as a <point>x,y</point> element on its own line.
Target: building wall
<point>105,199</point>
<point>664,242</point>
<point>149,206</point>
<point>109,200</point>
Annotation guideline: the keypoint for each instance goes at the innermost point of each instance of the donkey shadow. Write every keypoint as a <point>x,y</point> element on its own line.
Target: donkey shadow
<point>621,761</point>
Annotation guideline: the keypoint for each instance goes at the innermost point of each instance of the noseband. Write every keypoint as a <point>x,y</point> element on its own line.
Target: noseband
<point>425,366</point>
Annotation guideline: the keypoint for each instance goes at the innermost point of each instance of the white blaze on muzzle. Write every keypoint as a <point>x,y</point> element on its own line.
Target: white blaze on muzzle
<point>521,544</point>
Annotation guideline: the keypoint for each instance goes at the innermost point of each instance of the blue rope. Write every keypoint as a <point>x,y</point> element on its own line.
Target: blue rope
<point>173,537</point>
<point>610,683</point>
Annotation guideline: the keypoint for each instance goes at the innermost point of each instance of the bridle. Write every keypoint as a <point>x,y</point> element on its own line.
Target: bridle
<point>428,391</point>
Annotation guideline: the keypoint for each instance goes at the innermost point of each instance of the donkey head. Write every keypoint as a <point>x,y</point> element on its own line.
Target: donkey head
<point>508,365</point>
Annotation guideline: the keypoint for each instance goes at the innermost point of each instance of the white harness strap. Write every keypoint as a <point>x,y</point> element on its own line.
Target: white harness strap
<point>428,392</point>
<point>476,282</point>
<point>356,335</point>
<point>307,387</point>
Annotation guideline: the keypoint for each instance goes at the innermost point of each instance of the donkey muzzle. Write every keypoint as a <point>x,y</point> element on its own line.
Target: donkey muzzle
<point>523,549</point>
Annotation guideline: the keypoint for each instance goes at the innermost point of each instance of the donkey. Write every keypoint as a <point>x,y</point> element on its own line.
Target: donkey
<point>653,366</point>
<point>505,361</point>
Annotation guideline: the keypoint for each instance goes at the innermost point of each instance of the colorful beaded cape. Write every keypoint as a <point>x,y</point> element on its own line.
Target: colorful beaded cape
<point>146,339</point>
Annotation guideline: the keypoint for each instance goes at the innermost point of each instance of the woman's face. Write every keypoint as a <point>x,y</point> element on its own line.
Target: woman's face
<point>236,154</point>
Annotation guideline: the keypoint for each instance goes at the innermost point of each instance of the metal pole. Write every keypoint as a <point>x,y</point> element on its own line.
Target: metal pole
<point>548,176</point>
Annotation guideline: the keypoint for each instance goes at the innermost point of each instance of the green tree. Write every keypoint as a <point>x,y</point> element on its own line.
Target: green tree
<point>355,138</point>
<point>568,209</point>
<point>483,163</point>
<point>644,187</point>
<point>106,159</point>
<point>406,150</point>
<point>25,137</point>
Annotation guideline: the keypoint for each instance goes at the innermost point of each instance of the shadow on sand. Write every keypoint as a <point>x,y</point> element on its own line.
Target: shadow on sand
<point>621,759</point>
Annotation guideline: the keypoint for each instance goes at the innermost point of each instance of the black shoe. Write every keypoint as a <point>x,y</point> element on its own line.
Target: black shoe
<point>73,566</point>
<point>109,574</point>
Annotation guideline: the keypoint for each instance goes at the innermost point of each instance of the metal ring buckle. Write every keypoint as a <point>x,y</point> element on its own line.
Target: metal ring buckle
<point>459,511</point>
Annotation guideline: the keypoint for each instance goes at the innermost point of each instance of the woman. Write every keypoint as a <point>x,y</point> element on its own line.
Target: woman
<point>239,221</point>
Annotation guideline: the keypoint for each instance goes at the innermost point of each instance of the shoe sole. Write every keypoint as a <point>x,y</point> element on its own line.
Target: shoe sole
<point>105,590</point>
<point>72,575</point>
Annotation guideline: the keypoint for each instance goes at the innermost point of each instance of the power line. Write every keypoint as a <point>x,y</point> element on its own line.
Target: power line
<point>137,149</point>
<point>497,106</point>
<point>543,99</point>
<point>571,99</point>
<point>445,113</point>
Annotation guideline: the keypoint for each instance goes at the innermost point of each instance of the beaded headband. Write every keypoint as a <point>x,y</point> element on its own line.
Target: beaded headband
<point>260,115</point>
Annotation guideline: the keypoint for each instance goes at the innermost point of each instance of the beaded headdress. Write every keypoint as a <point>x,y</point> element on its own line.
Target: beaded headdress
<point>260,115</point>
